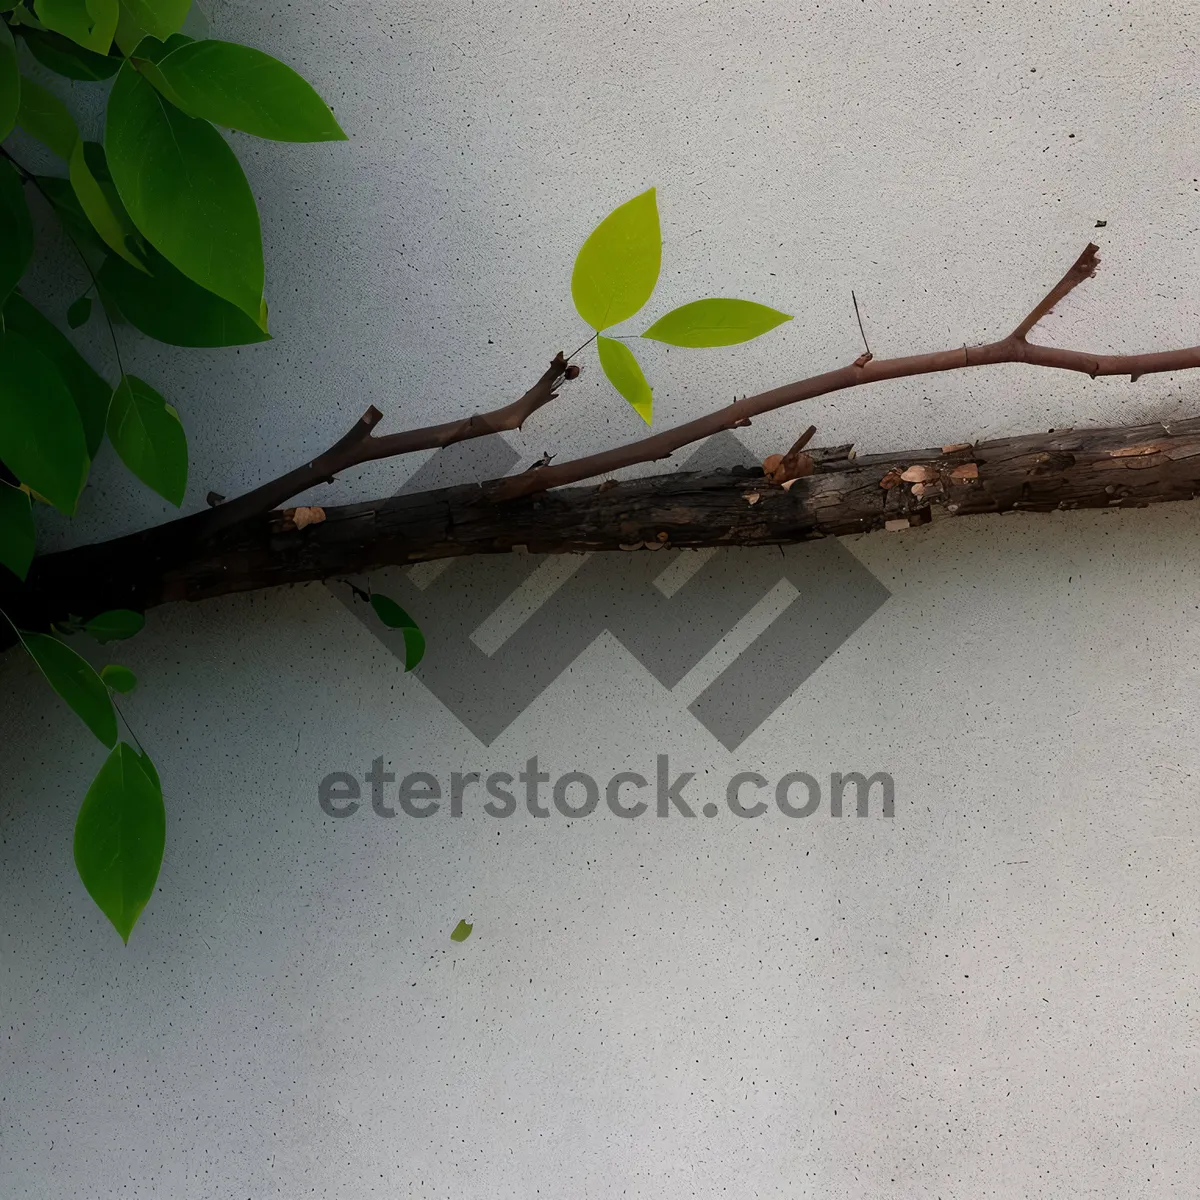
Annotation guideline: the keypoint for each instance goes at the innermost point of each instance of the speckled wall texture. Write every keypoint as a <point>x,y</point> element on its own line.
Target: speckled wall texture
<point>990,993</point>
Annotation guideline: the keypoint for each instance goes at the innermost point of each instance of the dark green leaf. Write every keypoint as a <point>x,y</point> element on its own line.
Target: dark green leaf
<point>74,680</point>
<point>41,436</point>
<point>159,18</point>
<point>79,312</point>
<point>17,537</point>
<point>617,268</point>
<point>394,617</point>
<point>89,23</point>
<point>184,189</point>
<point>65,203</point>
<point>115,626</point>
<point>10,82</point>
<point>120,836</point>
<point>625,375</point>
<point>168,306</point>
<point>64,57</point>
<point>717,322</point>
<point>120,679</point>
<point>148,435</point>
<point>89,392</point>
<point>462,931</point>
<point>16,242</point>
<point>44,116</point>
<point>246,89</point>
<point>100,202</point>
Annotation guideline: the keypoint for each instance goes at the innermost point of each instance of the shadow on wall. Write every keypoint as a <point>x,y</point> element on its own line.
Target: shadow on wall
<point>506,627</point>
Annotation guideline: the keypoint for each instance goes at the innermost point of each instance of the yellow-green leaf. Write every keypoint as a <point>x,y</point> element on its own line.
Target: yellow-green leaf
<point>41,434</point>
<point>461,932</point>
<point>89,23</point>
<point>100,202</point>
<point>16,242</point>
<point>617,267</point>
<point>185,190</point>
<point>120,835</point>
<point>148,435</point>
<point>120,679</point>
<point>242,88</point>
<point>73,678</point>
<point>115,625</point>
<point>394,617</point>
<point>44,116</point>
<point>717,322</point>
<point>89,392</point>
<point>159,18</point>
<point>625,375</point>
<point>17,537</point>
<point>10,82</point>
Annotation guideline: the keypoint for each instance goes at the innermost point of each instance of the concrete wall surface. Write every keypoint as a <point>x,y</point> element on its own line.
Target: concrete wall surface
<point>989,992</point>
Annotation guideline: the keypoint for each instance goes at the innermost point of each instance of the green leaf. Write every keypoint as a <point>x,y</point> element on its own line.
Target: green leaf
<point>89,23</point>
<point>17,536</point>
<point>115,626</point>
<point>462,931</point>
<point>100,202</point>
<point>16,244</point>
<point>394,617</point>
<point>120,679</point>
<point>120,835</point>
<point>64,57</point>
<point>41,436</point>
<point>89,392</point>
<point>44,116</point>
<point>184,189</point>
<point>716,322</point>
<point>79,312</point>
<point>67,208</point>
<point>168,306</point>
<point>148,435</point>
<point>617,268</point>
<point>625,375</point>
<point>10,82</point>
<point>245,89</point>
<point>74,680</point>
<point>159,18</point>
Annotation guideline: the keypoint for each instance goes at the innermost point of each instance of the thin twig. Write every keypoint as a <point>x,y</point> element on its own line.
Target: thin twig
<point>1011,349</point>
<point>861,330</point>
<point>361,446</point>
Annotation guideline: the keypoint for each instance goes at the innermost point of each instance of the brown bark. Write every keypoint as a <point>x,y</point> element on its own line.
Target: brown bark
<point>1087,468</point>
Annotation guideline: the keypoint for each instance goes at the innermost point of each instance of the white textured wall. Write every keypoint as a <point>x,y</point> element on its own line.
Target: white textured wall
<point>991,994</point>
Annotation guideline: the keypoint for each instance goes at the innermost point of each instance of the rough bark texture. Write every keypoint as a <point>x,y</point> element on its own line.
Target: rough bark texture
<point>1066,469</point>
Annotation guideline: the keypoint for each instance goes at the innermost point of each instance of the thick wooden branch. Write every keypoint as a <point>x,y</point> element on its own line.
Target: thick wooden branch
<point>1087,468</point>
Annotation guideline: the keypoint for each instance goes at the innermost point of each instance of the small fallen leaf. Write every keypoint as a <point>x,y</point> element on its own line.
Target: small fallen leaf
<point>955,447</point>
<point>965,471</point>
<point>753,498</point>
<point>462,931</point>
<point>771,463</point>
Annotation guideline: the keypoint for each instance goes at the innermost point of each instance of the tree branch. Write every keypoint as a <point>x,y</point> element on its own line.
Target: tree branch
<point>1089,468</point>
<point>360,445</point>
<point>865,369</point>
